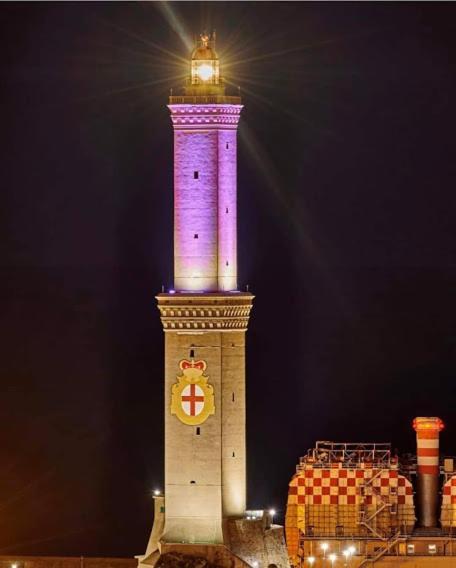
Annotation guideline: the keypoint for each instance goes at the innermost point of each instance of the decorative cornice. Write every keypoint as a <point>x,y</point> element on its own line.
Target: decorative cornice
<point>204,100</point>
<point>185,312</point>
<point>197,116</point>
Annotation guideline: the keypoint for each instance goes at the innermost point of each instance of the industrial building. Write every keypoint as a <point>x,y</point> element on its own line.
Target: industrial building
<point>358,504</point>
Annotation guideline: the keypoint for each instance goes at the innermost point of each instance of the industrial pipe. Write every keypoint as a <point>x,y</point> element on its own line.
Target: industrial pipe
<point>427,453</point>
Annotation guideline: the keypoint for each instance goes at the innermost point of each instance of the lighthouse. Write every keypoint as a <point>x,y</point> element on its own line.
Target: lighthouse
<point>205,319</point>
<point>204,316</point>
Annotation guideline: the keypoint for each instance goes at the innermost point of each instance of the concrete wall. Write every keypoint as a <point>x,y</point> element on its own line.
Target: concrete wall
<point>65,562</point>
<point>418,562</point>
<point>389,562</point>
<point>398,555</point>
<point>157,529</point>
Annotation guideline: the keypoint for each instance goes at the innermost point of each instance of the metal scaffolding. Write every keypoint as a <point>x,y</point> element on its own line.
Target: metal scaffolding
<point>348,455</point>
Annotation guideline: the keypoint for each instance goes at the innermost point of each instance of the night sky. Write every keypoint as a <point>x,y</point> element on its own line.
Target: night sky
<point>346,182</point>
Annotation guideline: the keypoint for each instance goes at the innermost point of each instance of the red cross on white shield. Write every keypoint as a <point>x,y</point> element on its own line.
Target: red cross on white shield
<point>192,400</point>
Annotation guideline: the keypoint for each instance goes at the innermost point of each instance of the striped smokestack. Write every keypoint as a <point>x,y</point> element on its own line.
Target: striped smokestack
<point>427,453</point>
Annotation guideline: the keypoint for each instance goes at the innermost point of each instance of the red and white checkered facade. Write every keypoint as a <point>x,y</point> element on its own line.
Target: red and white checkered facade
<point>449,492</point>
<point>448,511</point>
<point>339,486</point>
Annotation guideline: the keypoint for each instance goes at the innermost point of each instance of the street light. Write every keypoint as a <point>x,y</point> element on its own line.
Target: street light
<point>157,492</point>
<point>272,512</point>
<point>352,549</point>
<point>347,553</point>
<point>324,546</point>
<point>332,558</point>
<point>311,560</point>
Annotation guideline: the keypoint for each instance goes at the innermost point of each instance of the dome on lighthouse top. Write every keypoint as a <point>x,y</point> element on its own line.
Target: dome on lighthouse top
<point>204,84</point>
<point>205,66</point>
<point>205,49</point>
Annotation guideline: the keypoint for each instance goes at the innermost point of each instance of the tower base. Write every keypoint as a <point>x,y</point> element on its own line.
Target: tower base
<point>205,455</point>
<point>247,543</point>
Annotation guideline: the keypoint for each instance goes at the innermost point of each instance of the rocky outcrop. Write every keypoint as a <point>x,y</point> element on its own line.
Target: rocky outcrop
<point>178,560</point>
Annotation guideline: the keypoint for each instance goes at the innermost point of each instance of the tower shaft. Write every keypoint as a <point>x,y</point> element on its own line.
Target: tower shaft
<point>205,196</point>
<point>204,318</point>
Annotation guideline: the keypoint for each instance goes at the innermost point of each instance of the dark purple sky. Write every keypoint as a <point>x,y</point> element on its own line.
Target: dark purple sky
<point>347,237</point>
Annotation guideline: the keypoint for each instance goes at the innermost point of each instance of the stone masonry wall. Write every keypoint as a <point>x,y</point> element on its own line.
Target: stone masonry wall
<point>255,542</point>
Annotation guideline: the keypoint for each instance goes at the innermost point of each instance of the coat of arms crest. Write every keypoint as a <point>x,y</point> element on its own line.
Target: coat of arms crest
<point>192,398</point>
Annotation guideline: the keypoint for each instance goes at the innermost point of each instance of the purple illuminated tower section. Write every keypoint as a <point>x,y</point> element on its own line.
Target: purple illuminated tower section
<point>205,122</point>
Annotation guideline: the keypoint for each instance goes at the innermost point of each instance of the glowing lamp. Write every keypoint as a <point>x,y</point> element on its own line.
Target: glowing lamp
<point>426,423</point>
<point>156,492</point>
<point>332,558</point>
<point>324,546</point>
<point>204,71</point>
<point>205,66</point>
<point>352,549</point>
<point>311,560</point>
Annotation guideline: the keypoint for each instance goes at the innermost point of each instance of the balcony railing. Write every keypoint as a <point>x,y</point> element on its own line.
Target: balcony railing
<point>204,100</point>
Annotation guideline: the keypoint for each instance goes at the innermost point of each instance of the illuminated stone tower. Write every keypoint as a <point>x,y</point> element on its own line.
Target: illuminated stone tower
<point>205,317</point>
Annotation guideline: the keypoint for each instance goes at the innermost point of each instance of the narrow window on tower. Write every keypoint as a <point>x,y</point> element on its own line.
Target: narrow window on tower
<point>227,263</point>
<point>195,175</point>
<point>227,146</point>
<point>192,353</point>
<point>232,396</point>
<point>198,431</point>
<point>226,210</point>
<point>195,236</point>
<point>234,455</point>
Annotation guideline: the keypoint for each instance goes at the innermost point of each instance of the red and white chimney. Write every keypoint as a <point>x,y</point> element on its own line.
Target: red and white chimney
<point>428,471</point>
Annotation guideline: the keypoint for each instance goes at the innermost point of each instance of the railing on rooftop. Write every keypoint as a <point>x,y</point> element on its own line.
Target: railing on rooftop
<point>203,100</point>
<point>447,465</point>
<point>348,455</point>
